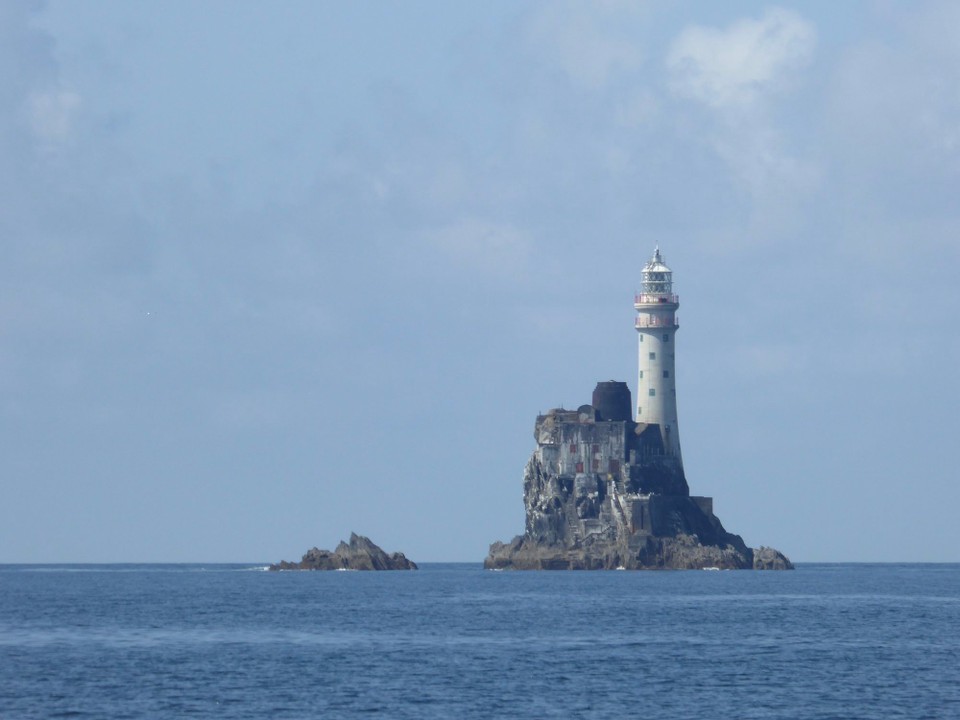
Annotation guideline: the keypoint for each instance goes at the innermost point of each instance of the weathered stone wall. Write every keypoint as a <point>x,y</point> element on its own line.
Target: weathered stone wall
<point>574,442</point>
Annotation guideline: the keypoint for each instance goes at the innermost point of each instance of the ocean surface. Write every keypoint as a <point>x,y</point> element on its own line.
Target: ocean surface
<point>455,641</point>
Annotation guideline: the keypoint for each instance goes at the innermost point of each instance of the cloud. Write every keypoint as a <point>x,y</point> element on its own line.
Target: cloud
<point>636,111</point>
<point>757,155</point>
<point>770,358</point>
<point>734,67</point>
<point>589,43</point>
<point>497,248</point>
<point>50,116</point>
<point>36,111</point>
<point>739,74</point>
<point>899,101</point>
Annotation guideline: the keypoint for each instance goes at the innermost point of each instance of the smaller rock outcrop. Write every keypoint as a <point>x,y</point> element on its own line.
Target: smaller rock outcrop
<point>767,558</point>
<point>360,554</point>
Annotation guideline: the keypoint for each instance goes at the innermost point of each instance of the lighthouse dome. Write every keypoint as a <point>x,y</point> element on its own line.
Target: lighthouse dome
<point>656,264</point>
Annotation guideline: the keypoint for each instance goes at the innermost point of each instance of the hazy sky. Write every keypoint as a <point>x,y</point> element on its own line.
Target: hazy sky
<point>274,272</point>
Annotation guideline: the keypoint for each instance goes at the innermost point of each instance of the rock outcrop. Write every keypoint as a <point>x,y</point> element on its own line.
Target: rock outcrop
<point>766,558</point>
<point>360,554</point>
<point>608,494</point>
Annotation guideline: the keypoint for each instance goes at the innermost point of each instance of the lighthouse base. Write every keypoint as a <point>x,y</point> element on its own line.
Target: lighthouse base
<point>602,495</point>
<point>682,552</point>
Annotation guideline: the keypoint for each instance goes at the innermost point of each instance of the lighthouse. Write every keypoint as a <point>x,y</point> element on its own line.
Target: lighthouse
<point>657,325</point>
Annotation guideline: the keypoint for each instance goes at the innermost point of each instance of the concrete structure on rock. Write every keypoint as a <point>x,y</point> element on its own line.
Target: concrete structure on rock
<point>602,490</point>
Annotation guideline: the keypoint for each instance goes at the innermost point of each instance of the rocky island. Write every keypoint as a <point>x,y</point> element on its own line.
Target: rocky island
<point>603,490</point>
<point>360,554</point>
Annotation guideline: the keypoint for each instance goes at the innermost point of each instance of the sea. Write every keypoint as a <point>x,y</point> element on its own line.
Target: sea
<point>457,641</point>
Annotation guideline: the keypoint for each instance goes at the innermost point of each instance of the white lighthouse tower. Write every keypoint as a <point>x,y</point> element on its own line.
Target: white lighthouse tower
<point>657,326</point>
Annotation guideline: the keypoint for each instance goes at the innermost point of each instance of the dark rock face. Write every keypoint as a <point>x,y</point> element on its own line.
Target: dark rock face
<point>606,495</point>
<point>360,554</point>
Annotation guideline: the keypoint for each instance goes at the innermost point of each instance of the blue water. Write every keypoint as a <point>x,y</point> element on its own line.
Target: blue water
<point>229,641</point>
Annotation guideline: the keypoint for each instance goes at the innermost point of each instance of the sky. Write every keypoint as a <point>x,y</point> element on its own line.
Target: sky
<point>275,272</point>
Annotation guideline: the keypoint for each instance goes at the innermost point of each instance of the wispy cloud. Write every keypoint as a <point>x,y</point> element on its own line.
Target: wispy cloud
<point>901,99</point>
<point>492,247</point>
<point>737,74</point>
<point>735,67</point>
<point>589,43</point>
<point>50,115</point>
